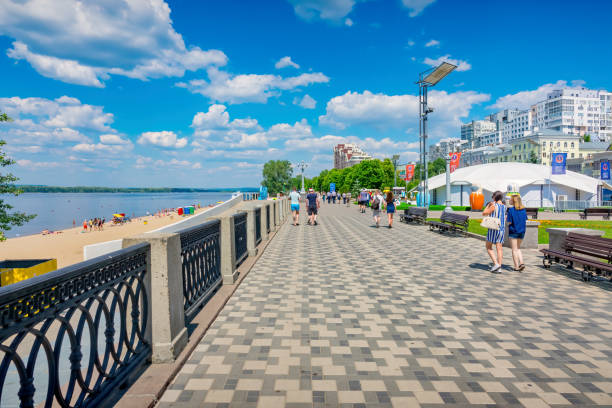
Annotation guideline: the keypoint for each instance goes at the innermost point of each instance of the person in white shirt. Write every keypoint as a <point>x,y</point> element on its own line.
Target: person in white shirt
<point>295,205</point>
<point>378,202</point>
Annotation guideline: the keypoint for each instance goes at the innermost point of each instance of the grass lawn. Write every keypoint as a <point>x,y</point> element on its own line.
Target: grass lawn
<point>606,226</point>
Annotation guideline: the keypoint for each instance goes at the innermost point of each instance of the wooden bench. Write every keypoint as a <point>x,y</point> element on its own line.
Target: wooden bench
<point>604,212</point>
<point>414,214</point>
<point>533,212</point>
<point>450,221</point>
<point>593,253</point>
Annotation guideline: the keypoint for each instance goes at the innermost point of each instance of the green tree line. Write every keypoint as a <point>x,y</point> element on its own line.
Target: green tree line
<point>368,174</point>
<point>8,218</point>
<point>93,189</point>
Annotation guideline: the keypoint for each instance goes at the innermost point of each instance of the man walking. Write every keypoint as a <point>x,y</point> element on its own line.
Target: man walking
<point>363,200</point>
<point>295,206</point>
<point>377,203</point>
<point>313,206</point>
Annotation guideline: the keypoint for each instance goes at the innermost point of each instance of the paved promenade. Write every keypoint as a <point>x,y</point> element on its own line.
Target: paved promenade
<point>344,314</point>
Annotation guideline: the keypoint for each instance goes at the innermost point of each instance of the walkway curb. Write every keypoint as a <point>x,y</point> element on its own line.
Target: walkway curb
<point>153,382</point>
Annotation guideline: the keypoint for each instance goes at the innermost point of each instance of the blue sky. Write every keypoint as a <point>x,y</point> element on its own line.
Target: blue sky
<point>201,94</point>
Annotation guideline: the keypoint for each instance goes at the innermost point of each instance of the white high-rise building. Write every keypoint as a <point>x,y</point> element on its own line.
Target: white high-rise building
<point>577,111</point>
<point>488,139</point>
<point>347,155</point>
<point>474,129</point>
<point>446,146</point>
<point>522,122</point>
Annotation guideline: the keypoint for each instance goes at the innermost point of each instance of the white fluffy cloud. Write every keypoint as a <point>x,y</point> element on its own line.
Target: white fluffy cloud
<point>306,102</point>
<point>285,62</point>
<point>461,65</point>
<point>102,148</point>
<point>333,10</point>
<point>432,43</point>
<point>524,99</point>
<point>416,7</point>
<point>88,40</point>
<point>224,87</point>
<point>336,10</point>
<point>388,111</point>
<point>112,139</point>
<point>214,131</point>
<point>41,122</point>
<point>162,139</point>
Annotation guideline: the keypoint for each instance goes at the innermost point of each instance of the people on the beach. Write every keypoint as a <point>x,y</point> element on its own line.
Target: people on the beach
<point>517,224</point>
<point>377,203</point>
<point>313,206</point>
<point>495,237</point>
<point>390,208</point>
<point>295,205</point>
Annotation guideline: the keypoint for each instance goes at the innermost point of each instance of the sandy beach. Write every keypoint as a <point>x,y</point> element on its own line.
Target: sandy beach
<point>67,246</point>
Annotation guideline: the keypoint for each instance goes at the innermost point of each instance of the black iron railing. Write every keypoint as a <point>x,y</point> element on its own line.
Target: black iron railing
<point>72,337</point>
<point>201,265</point>
<point>240,236</point>
<point>257,225</point>
<point>268,218</point>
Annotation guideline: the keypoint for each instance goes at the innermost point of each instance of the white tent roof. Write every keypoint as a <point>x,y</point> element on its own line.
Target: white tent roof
<point>498,176</point>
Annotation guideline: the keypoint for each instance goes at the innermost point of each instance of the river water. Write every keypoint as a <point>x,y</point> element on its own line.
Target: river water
<point>55,211</point>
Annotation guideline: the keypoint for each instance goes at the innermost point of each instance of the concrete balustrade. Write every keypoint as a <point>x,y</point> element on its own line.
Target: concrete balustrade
<point>228,250</point>
<point>251,232</point>
<point>263,220</point>
<point>169,334</point>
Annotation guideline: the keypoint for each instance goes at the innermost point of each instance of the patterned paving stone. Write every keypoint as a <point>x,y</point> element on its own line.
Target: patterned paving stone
<point>344,314</point>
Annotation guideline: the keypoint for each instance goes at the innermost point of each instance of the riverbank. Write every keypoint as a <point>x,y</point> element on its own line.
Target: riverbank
<point>67,245</point>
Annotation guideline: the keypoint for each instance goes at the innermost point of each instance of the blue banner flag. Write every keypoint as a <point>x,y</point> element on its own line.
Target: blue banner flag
<point>332,187</point>
<point>263,193</point>
<point>558,163</point>
<point>605,170</point>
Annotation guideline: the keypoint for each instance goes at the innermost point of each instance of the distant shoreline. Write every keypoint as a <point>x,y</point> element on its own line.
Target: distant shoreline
<point>91,189</point>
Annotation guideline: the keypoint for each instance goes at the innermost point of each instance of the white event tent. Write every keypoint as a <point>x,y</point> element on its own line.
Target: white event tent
<point>535,183</point>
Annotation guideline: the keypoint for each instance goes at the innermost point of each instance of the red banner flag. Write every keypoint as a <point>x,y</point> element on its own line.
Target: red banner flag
<point>409,172</point>
<point>455,159</point>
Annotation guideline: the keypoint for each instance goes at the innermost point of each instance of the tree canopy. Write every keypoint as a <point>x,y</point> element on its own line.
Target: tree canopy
<point>8,218</point>
<point>277,176</point>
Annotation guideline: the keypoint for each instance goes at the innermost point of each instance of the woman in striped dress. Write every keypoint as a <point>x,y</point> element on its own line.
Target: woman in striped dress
<point>496,209</point>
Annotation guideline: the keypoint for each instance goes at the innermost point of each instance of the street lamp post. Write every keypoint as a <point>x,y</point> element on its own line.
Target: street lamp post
<point>426,79</point>
<point>302,166</point>
<point>448,185</point>
<point>395,159</point>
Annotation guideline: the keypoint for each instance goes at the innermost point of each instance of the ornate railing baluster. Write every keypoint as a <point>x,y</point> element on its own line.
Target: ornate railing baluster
<point>200,255</point>
<point>268,218</point>
<point>42,316</point>
<point>240,237</point>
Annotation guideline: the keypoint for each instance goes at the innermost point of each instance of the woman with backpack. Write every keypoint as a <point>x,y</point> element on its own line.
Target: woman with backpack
<point>496,209</point>
<point>517,224</point>
<point>377,203</point>
<point>390,208</point>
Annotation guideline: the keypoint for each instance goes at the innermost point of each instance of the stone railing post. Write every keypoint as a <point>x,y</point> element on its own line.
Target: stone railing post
<point>228,250</point>
<point>251,232</point>
<point>169,334</point>
<point>277,214</point>
<point>263,220</point>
